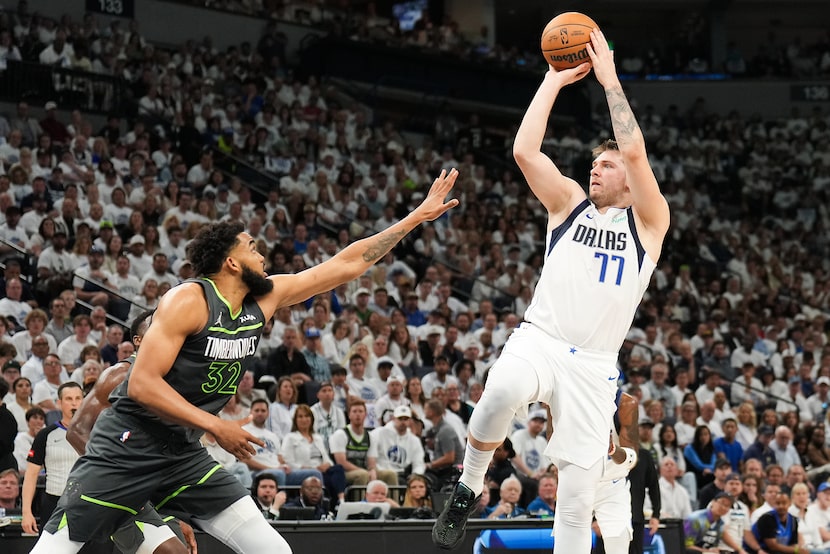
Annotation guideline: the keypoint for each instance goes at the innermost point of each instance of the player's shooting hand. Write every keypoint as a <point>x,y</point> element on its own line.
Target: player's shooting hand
<point>189,537</point>
<point>572,75</point>
<point>235,439</point>
<point>602,58</point>
<point>434,205</point>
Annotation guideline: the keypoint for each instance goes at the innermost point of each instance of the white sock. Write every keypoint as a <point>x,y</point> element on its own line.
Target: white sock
<point>476,463</point>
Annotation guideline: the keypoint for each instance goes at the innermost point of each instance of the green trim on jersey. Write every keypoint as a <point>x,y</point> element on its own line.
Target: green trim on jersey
<point>140,525</point>
<point>185,487</point>
<point>223,299</point>
<point>63,523</point>
<point>108,504</point>
<point>238,330</point>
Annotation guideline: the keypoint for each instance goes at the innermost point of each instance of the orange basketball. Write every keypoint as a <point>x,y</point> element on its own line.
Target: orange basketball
<point>564,39</point>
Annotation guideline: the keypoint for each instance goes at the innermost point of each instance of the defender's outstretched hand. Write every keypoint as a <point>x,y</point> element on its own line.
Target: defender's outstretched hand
<point>434,205</point>
<point>602,58</point>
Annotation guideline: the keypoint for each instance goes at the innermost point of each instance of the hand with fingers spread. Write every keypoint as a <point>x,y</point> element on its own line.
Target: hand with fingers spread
<point>602,58</point>
<point>434,205</point>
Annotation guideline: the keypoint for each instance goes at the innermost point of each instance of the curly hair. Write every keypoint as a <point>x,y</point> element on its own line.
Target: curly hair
<point>211,245</point>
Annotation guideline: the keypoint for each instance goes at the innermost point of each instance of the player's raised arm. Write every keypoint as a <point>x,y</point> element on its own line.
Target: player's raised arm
<point>556,192</point>
<point>359,256</point>
<point>649,204</point>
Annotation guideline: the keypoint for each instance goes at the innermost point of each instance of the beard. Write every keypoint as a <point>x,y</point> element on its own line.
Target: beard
<point>256,283</point>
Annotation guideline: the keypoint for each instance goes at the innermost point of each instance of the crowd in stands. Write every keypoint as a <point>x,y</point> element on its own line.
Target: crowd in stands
<point>728,353</point>
<point>680,47</point>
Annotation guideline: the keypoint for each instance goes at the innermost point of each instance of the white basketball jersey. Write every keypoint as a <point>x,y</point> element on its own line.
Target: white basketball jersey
<point>593,278</point>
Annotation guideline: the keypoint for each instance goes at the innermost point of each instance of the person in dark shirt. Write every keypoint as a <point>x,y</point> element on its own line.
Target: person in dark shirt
<point>777,530</point>
<point>8,431</point>
<point>707,493</point>
<point>760,449</point>
<point>287,360</point>
<point>643,476</point>
<point>311,496</point>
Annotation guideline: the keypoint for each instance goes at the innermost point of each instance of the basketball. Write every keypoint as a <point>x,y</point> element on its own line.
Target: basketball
<point>564,39</point>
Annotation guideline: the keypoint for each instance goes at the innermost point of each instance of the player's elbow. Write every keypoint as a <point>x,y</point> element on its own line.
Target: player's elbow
<point>522,152</point>
<point>138,390</point>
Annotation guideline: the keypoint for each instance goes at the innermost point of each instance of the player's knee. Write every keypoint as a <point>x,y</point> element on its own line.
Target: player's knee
<point>171,546</point>
<point>575,512</point>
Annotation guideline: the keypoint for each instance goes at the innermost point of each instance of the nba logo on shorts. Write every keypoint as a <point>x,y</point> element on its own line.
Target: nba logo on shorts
<point>124,436</point>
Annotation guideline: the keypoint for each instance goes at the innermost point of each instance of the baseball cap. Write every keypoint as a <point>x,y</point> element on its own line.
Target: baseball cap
<point>733,477</point>
<point>402,411</point>
<point>823,487</point>
<point>386,360</point>
<point>823,380</point>
<point>96,250</point>
<point>645,421</point>
<point>136,239</point>
<point>105,225</point>
<point>312,333</point>
<point>721,462</point>
<point>766,430</point>
<point>50,106</point>
<point>360,291</point>
<point>538,414</point>
<point>794,381</point>
<point>433,330</point>
<point>723,494</point>
<point>10,364</point>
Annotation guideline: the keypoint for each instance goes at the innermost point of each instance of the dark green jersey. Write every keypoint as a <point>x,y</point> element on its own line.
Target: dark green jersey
<point>210,362</point>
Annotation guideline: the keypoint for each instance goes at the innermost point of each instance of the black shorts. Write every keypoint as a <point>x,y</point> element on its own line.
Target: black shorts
<point>128,463</point>
<point>130,535</point>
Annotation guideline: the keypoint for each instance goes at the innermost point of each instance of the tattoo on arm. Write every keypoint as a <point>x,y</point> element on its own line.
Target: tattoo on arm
<point>383,244</point>
<point>622,118</point>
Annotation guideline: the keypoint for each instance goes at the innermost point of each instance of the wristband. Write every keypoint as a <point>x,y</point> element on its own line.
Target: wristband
<point>614,471</point>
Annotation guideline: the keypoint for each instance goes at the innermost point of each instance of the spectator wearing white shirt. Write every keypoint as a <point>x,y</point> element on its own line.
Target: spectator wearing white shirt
<point>820,399</point>
<point>785,453</point>
<point>439,377</point>
<point>160,271</point>
<point>398,449</point>
<point>59,53</point>
<point>336,341</point>
<point>12,231</point>
<point>794,401</point>
<point>140,262</point>
<point>328,416</point>
<point>35,322</point>
<point>366,388</point>
<point>529,444</point>
<point>12,305</point>
<point>674,500</point>
<point>69,350</point>
<point>817,520</point>
<point>747,387</point>
<point>45,393</point>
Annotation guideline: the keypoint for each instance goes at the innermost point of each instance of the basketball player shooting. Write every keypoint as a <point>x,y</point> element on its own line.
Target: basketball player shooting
<point>599,257</point>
